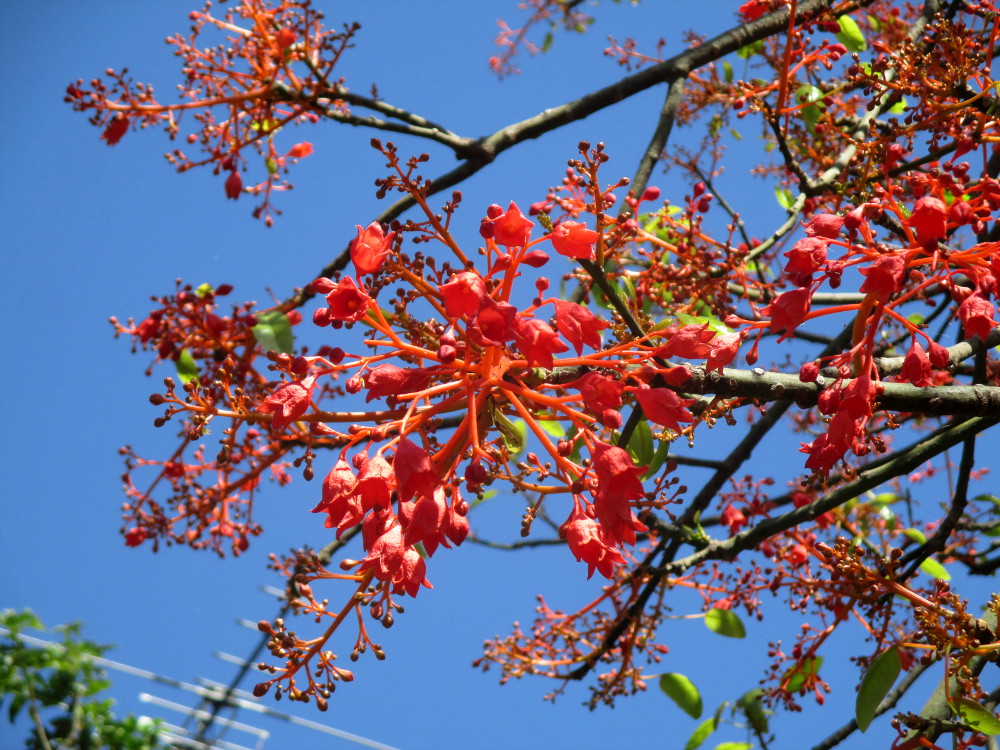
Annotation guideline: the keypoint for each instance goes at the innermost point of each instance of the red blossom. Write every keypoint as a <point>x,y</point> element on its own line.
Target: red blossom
<point>929,219</point>
<point>415,473</point>
<point>689,341</point>
<point>578,325</point>
<point>427,519</point>
<point>494,323</point>
<point>370,248</point>
<point>512,229</point>
<point>137,535</point>
<point>600,393</point>
<point>375,484</point>
<point>574,240</point>
<point>916,366</point>
<point>234,185</point>
<point>734,518</point>
<point>299,151</point>
<point>389,380</point>
<point>347,302</point>
<point>463,294</point>
<point>976,314</point>
<point>884,277</point>
<point>805,258</point>
<point>117,127</point>
<point>722,350</point>
<point>342,507</point>
<point>538,342</point>
<point>618,482</point>
<point>754,9</point>
<point>289,402</point>
<point>588,542</point>
<point>825,225</point>
<point>663,406</point>
<point>788,310</point>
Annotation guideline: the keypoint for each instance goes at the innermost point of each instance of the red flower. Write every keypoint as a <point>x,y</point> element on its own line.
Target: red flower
<point>389,380</point>
<point>825,225</point>
<point>393,561</point>
<point>929,219</point>
<point>347,302</point>
<point>885,276</point>
<point>600,393</point>
<point>234,185</point>
<point>754,9</point>
<point>618,482</point>
<point>734,518</point>
<point>511,229</point>
<point>663,406</point>
<point>916,366</point>
<point>285,38</point>
<point>375,484</point>
<point>299,151</point>
<point>494,323</point>
<point>538,342</point>
<point>343,509</point>
<point>289,402</point>
<point>578,325</point>
<point>574,240</point>
<point>788,310</point>
<point>463,294</point>
<point>136,536</point>
<point>587,541</point>
<point>976,314</point>
<point>117,127</point>
<point>804,259</point>
<point>415,473</point>
<point>370,248</point>
<point>723,351</point>
<point>427,519</point>
<point>689,341</point>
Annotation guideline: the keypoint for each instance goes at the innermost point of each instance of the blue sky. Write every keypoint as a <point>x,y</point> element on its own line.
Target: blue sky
<point>92,231</point>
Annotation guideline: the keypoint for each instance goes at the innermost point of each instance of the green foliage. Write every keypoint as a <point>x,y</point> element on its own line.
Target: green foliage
<point>725,622</point>
<point>57,685</point>
<point>274,332</point>
<point>876,683</point>
<point>682,692</point>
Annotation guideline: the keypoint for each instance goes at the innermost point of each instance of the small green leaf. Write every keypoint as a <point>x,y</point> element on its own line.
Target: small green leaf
<point>727,72</point>
<point>850,35</point>
<point>682,692</point>
<point>811,96</point>
<point>274,332</point>
<point>701,733</point>
<point>513,432</point>
<point>875,685</point>
<point>203,290</point>
<point>187,370</point>
<point>784,197</point>
<point>751,49</point>
<point>725,622</point>
<point>640,444</point>
<point>874,23</point>
<point>713,323</point>
<point>797,675</point>
<point>272,166</point>
<point>899,107</point>
<point>753,709</point>
<point>977,717</point>
<point>553,427</point>
<point>659,458</point>
<point>915,535</point>
<point>547,41</point>
<point>734,746</point>
<point>934,569</point>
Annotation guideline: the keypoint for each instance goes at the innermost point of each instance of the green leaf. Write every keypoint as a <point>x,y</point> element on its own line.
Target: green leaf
<point>713,323</point>
<point>547,41</point>
<point>725,622</point>
<point>659,458</point>
<point>553,427</point>
<point>682,692</point>
<point>875,685</point>
<point>811,96</point>
<point>916,535</point>
<point>727,72</point>
<point>797,675</point>
<point>899,107</point>
<point>187,370</point>
<point>513,432</point>
<point>784,197</point>
<point>750,50</point>
<point>874,23</point>
<point>850,35</point>
<point>640,444</point>
<point>734,746</point>
<point>934,569</point>
<point>701,733</point>
<point>274,332</point>
<point>203,290</point>
<point>752,707</point>
<point>977,717</point>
